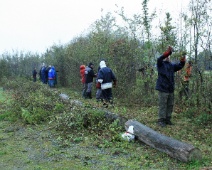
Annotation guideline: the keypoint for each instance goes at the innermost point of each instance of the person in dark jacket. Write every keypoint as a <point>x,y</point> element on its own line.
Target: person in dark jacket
<point>43,74</point>
<point>89,75</point>
<point>34,75</point>
<point>165,85</point>
<point>106,80</point>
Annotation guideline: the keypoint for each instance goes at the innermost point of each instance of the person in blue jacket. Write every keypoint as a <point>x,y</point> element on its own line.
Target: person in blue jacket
<point>165,85</point>
<point>106,80</point>
<point>51,77</point>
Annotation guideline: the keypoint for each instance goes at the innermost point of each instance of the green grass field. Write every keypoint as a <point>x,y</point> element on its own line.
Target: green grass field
<point>25,146</point>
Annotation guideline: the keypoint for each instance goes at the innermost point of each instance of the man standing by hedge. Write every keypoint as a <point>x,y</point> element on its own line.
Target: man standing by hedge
<point>106,80</point>
<point>165,85</point>
<point>34,75</point>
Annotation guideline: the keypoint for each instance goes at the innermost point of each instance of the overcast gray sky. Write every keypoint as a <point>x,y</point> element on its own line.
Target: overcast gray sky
<point>35,25</point>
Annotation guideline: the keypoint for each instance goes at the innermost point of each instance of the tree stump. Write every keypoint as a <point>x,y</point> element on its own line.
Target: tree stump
<point>174,148</point>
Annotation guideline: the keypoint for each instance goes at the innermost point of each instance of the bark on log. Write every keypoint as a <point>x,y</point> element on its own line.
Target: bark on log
<point>174,148</point>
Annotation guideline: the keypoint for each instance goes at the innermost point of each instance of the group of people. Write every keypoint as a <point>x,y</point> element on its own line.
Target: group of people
<point>48,75</point>
<point>105,80</point>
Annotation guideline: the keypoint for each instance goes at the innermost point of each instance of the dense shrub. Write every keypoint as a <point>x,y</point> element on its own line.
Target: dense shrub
<point>33,102</point>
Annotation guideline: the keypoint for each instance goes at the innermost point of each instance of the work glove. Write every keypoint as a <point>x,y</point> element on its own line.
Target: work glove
<point>168,51</point>
<point>183,57</point>
<point>98,85</point>
<point>114,83</point>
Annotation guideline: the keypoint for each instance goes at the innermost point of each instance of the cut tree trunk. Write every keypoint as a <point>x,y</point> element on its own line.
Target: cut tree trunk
<point>174,148</point>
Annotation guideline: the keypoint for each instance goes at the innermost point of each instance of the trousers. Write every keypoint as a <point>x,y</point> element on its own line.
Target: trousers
<point>166,104</point>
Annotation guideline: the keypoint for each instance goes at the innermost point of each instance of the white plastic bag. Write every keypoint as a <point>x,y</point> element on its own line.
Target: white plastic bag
<point>129,134</point>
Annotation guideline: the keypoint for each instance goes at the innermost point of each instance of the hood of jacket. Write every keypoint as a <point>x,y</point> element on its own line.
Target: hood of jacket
<point>102,64</point>
<point>82,67</point>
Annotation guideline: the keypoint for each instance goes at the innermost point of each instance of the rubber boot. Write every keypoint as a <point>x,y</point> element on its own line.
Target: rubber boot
<point>86,95</point>
<point>162,122</point>
<point>89,95</point>
<point>168,121</point>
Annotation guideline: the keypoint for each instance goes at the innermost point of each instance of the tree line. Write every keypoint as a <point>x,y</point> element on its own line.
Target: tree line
<point>131,51</point>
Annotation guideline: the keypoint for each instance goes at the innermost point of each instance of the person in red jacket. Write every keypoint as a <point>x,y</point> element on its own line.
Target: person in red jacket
<point>82,74</point>
<point>185,82</point>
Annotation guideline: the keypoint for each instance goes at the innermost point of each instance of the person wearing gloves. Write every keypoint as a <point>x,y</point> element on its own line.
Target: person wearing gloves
<point>165,85</point>
<point>106,80</point>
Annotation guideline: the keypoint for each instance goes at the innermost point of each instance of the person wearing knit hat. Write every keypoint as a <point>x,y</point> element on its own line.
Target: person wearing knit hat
<point>106,79</point>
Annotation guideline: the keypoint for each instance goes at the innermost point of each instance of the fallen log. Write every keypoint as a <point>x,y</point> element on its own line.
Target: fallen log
<point>112,116</point>
<point>67,99</point>
<point>182,151</point>
<point>64,96</point>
